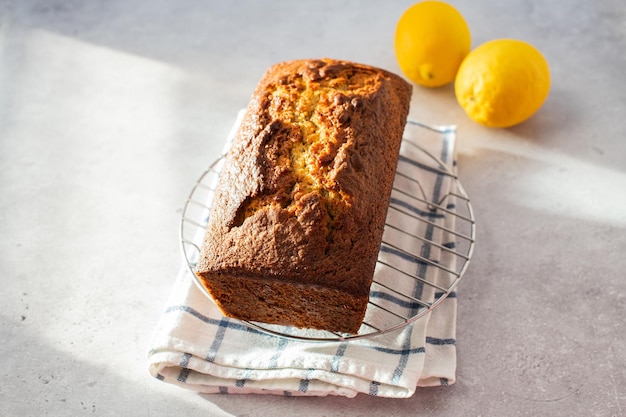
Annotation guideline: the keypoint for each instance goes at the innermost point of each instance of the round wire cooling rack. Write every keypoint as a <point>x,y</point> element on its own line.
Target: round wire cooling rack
<point>427,243</point>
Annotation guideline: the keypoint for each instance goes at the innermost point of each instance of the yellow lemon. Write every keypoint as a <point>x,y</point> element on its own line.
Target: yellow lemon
<point>431,40</point>
<point>502,82</point>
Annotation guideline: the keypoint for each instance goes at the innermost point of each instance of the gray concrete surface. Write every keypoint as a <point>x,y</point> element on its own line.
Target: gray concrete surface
<point>110,110</point>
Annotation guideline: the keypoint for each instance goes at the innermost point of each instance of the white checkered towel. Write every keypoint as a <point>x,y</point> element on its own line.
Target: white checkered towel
<point>194,346</point>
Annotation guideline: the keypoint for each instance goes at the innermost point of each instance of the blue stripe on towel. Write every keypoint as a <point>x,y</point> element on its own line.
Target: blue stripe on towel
<point>217,341</point>
<point>304,383</point>
<point>415,210</point>
<point>374,388</point>
<point>417,164</point>
<point>182,376</point>
<point>425,253</point>
<point>246,376</point>
<point>440,294</point>
<point>221,323</point>
<point>341,350</point>
<point>184,360</point>
<point>440,342</point>
<point>403,352</point>
<point>282,345</point>
<point>401,254</point>
<point>412,305</point>
<point>404,357</point>
<point>381,295</point>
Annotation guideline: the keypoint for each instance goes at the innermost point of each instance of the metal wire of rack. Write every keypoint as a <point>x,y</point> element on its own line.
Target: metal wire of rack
<point>427,244</point>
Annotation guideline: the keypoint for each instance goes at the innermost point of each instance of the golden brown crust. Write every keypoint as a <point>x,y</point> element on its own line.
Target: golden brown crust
<point>300,207</point>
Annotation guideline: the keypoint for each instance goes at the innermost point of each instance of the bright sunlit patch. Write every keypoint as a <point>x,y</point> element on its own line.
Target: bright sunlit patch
<point>557,183</point>
<point>93,130</point>
<point>579,190</point>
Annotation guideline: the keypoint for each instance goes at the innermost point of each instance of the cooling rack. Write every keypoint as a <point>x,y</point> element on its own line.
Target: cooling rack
<point>427,243</point>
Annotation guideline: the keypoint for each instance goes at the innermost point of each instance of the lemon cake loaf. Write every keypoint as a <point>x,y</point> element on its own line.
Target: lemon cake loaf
<point>299,211</point>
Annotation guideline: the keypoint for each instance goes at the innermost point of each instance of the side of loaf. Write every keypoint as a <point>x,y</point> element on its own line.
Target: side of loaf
<point>299,211</point>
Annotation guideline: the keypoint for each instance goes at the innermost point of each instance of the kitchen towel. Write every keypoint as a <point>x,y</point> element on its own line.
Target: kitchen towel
<point>196,347</point>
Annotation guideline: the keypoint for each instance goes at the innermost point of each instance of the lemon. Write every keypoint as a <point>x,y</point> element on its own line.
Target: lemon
<point>431,40</point>
<point>502,82</point>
